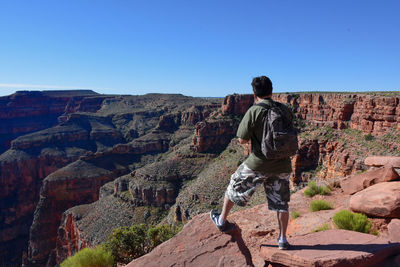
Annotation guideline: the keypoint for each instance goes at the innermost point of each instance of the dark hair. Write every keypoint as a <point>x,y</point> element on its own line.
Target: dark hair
<point>262,86</point>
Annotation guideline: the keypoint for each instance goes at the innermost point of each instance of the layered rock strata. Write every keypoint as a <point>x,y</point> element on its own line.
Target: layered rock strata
<point>89,225</point>
<point>29,111</point>
<point>338,111</point>
<point>375,114</point>
<point>118,128</point>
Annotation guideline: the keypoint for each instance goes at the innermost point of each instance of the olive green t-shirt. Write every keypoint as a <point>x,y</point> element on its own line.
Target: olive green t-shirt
<point>251,127</point>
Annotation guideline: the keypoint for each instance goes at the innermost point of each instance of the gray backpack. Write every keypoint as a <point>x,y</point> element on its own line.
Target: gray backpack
<point>279,135</point>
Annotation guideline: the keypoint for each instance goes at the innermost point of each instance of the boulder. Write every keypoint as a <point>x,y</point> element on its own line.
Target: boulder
<point>331,248</point>
<point>394,230</point>
<point>380,200</point>
<point>355,183</point>
<point>381,161</point>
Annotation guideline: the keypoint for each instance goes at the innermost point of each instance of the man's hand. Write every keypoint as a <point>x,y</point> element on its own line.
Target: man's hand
<point>246,144</point>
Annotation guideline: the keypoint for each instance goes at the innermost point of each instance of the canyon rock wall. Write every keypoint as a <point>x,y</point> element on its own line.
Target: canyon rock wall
<point>129,132</point>
<point>96,127</point>
<point>30,111</point>
<point>372,114</point>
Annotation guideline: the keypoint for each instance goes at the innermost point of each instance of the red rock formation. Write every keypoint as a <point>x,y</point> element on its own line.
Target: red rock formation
<point>20,179</point>
<point>153,194</point>
<point>331,248</point>
<point>335,160</point>
<point>358,182</point>
<point>213,134</point>
<point>371,114</point>
<point>70,238</point>
<point>381,161</point>
<point>201,244</point>
<point>376,114</point>
<point>197,113</point>
<point>380,200</point>
<point>29,111</point>
<point>237,104</point>
<point>90,136</point>
<point>75,184</point>
<point>393,229</point>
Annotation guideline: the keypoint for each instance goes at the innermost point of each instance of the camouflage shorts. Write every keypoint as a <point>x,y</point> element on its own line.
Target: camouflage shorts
<point>244,182</point>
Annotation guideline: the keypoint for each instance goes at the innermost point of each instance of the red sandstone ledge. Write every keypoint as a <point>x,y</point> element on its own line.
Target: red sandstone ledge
<point>331,248</point>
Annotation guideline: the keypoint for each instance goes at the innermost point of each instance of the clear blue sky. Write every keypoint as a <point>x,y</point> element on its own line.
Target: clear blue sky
<point>199,48</point>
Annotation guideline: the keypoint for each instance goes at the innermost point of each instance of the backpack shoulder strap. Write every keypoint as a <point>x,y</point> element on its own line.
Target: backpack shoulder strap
<point>266,106</point>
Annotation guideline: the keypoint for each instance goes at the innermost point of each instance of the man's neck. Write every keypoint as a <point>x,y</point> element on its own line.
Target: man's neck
<point>259,99</point>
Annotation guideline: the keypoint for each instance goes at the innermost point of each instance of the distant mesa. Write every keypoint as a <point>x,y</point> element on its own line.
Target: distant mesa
<point>57,93</point>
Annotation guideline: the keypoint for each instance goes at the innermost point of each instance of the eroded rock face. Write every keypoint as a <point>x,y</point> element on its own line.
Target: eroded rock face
<point>358,182</point>
<point>95,127</point>
<point>368,113</point>
<point>75,184</point>
<point>381,200</point>
<point>237,104</point>
<point>214,134</point>
<point>29,111</point>
<point>70,239</point>
<point>89,225</point>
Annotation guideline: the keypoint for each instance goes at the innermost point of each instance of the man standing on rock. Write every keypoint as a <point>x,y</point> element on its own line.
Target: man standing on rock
<point>257,169</point>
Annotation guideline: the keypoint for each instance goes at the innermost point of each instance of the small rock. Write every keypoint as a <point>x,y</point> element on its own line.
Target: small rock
<point>394,230</point>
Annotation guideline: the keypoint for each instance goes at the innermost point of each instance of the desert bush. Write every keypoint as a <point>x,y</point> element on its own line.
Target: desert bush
<point>368,137</point>
<point>160,234</point>
<point>348,220</point>
<point>128,243</point>
<point>318,204</point>
<point>323,227</point>
<point>295,214</point>
<point>324,190</point>
<point>90,257</point>
<point>313,189</point>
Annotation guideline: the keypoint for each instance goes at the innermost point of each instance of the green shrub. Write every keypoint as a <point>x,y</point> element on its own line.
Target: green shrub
<point>128,243</point>
<point>295,214</point>
<point>313,189</point>
<point>324,190</point>
<point>348,220</point>
<point>160,234</point>
<point>318,204</point>
<point>90,257</point>
<point>368,137</point>
<point>322,228</point>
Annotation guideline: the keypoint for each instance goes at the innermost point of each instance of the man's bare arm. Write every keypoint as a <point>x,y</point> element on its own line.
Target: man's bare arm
<point>246,144</point>
<point>243,141</point>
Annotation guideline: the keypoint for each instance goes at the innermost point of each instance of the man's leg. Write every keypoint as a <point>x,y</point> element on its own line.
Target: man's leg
<point>226,208</point>
<point>220,219</point>
<point>239,191</point>
<point>283,220</point>
<point>278,196</point>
